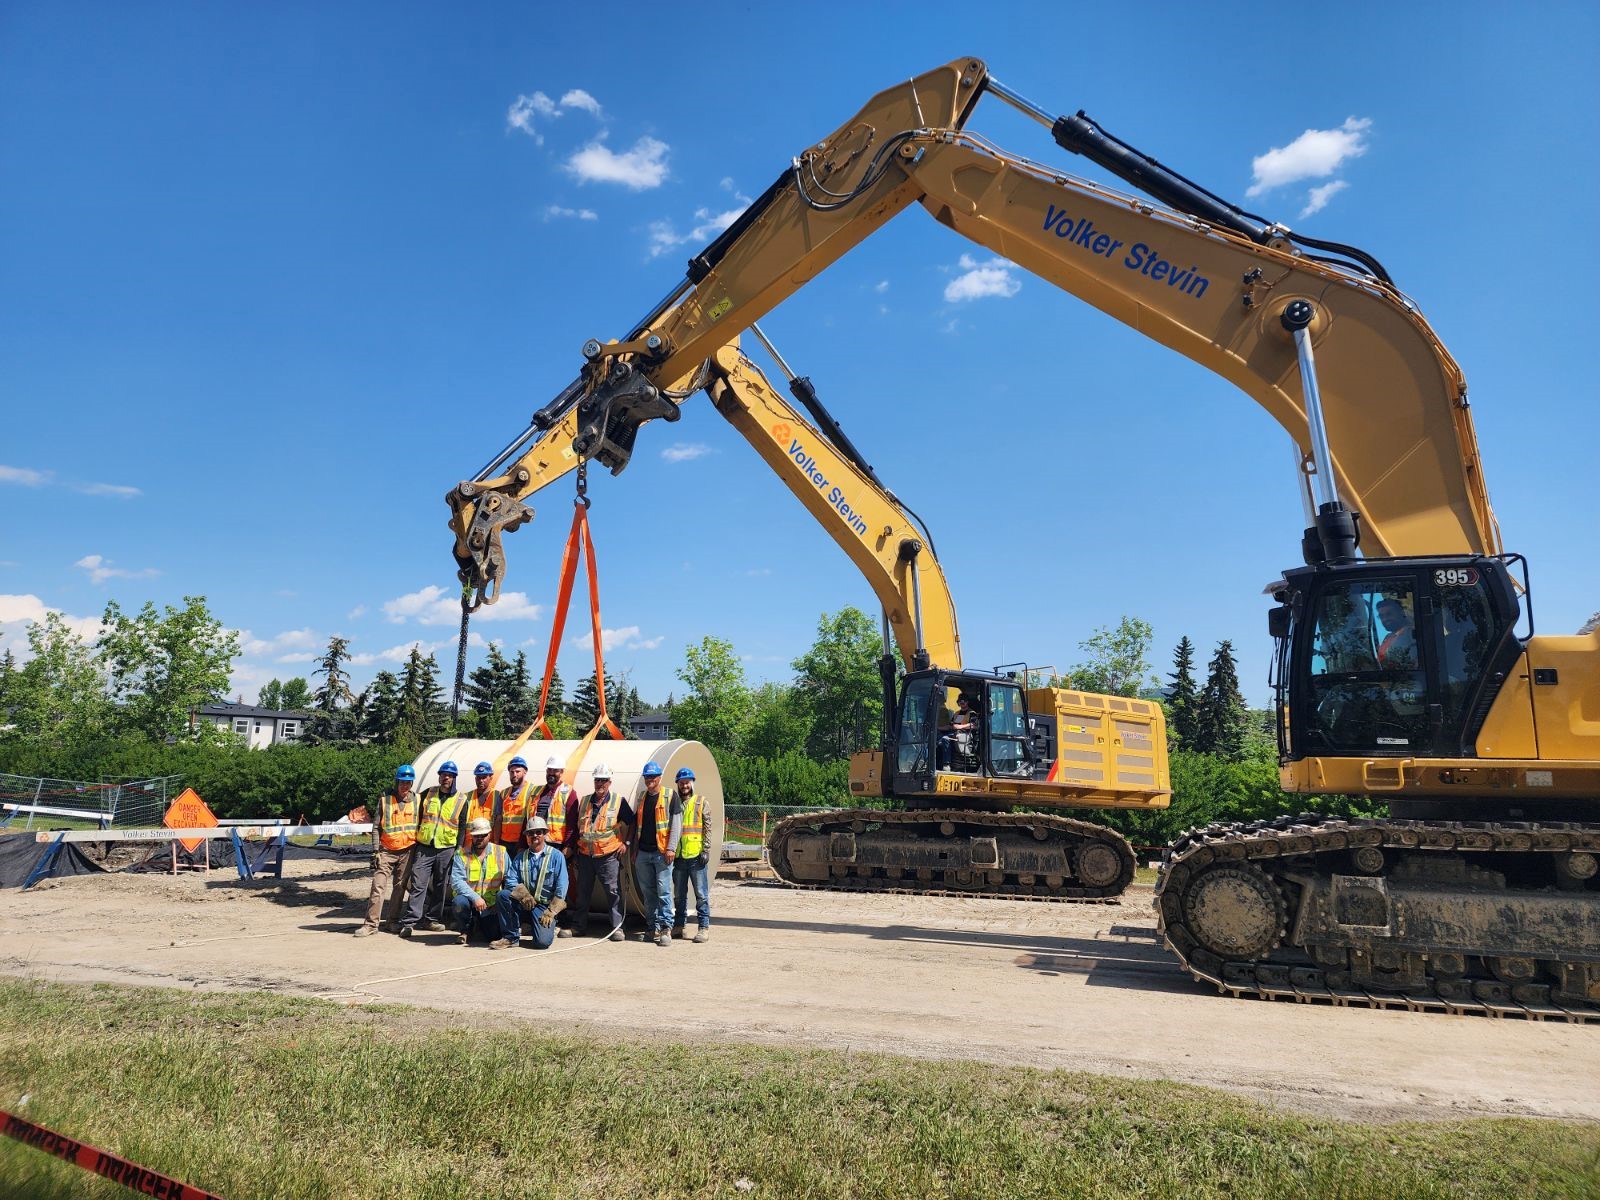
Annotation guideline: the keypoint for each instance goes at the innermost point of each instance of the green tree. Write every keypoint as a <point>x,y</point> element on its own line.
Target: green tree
<point>8,680</point>
<point>271,694</point>
<point>422,708</point>
<point>716,708</point>
<point>779,722</point>
<point>162,666</point>
<point>329,721</point>
<point>1221,718</point>
<point>380,705</point>
<point>58,697</point>
<point>838,686</point>
<point>296,695</point>
<point>1118,663</point>
<point>1183,701</point>
<point>584,707</point>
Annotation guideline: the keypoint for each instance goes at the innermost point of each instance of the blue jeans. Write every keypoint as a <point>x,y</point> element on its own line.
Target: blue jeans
<point>654,874</point>
<point>511,922</point>
<point>683,872</point>
<point>488,924</point>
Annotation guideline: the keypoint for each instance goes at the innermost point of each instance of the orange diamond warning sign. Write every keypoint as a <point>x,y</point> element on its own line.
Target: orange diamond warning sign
<point>188,811</point>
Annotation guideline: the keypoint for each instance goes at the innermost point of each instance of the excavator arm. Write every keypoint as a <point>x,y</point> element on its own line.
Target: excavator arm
<point>1200,277</point>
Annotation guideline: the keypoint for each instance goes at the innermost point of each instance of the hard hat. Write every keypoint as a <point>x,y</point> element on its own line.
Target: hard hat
<point>518,761</point>
<point>602,771</point>
<point>406,774</point>
<point>483,769</point>
<point>554,764</point>
<point>684,773</point>
<point>448,768</point>
<point>652,769</point>
<point>480,826</point>
<point>538,824</point>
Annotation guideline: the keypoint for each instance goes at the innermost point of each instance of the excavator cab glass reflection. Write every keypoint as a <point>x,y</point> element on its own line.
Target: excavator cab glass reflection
<point>962,724</point>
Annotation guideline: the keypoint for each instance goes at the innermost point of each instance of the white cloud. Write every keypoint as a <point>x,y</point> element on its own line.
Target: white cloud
<point>626,638</point>
<point>399,654</point>
<point>524,109</point>
<point>432,605</point>
<point>881,286</point>
<point>578,98</point>
<point>638,169</point>
<point>28,477</point>
<point>251,646</point>
<point>759,571</point>
<point>685,451</point>
<point>981,279</point>
<point>664,235</point>
<point>555,211</point>
<point>359,610</point>
<point>100,569</point>
<point>1317,199</point>
<point>18,612</point>
<point>1315,154</point>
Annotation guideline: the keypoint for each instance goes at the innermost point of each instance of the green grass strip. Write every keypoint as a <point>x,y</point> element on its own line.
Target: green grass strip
<point>256,1095</point>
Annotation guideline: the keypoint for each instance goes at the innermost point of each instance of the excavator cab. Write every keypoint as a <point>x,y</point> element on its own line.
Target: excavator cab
<point>971,723</point>
<point>1397,657</point>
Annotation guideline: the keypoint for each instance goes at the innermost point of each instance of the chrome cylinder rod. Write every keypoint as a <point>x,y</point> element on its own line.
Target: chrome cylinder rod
<point>1020,102</point>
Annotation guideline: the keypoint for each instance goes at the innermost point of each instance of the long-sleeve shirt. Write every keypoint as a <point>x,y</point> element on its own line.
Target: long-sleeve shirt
<point>524,869</point>
<point>459,883</point>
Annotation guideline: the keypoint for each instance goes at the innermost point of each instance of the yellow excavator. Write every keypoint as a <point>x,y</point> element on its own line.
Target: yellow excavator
<point>1406,668</point>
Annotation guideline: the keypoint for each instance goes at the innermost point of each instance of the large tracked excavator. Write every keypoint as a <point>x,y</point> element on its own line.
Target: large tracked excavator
<point>1407,667</point>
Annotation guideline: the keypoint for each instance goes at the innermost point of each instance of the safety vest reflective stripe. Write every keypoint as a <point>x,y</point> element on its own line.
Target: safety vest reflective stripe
<point>441,819</point>
<point>513,815</point>
<point>397,822</point>
<point>557,818</point>
<point>480,806</point>
<point>486,871</point>
<point>597,832</point>
<point>693,841</point>
<point>663,819</point>
<point>537,886</point>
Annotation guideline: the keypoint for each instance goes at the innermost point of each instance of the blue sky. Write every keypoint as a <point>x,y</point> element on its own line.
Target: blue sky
<point>276,277</point>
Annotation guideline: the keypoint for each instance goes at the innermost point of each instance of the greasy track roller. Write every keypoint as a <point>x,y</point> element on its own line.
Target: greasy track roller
<point>1500,919</point>
<point>1011,856</point>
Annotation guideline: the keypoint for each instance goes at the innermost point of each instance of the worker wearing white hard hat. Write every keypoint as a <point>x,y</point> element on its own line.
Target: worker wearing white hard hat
<point>535,888</point>
<point>599,841</point>
<point>557,804</point>
<point>477,879</point>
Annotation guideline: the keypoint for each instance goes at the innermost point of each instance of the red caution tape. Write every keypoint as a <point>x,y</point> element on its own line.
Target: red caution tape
<point>119,1170</point>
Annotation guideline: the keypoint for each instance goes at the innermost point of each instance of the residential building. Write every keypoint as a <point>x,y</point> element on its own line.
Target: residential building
<point>260,727</point>
<point>651,726</point>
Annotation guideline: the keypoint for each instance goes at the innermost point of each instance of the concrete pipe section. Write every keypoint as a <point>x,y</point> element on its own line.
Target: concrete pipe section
<point>626,760</point>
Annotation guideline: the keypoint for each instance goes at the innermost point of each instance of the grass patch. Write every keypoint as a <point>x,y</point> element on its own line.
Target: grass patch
<point>261,1096</point>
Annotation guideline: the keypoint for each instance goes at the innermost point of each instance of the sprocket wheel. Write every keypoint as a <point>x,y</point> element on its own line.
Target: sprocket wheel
<point>1235,911</point>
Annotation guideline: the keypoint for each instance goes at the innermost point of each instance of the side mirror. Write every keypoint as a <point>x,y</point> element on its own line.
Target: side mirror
<point>1278,621</point>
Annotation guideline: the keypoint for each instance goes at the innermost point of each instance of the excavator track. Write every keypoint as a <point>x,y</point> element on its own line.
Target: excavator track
<point>1361,912</point>
<point>996,855</point>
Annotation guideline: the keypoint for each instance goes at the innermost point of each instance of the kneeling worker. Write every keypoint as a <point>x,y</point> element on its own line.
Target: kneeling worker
<point>476,879</point>
<point>536,884</point>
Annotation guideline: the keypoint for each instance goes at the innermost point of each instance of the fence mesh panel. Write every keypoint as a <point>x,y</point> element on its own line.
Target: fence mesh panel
<point>139,802</point>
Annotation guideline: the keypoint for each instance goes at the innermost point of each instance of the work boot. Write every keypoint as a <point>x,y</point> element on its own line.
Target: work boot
<point>366,931</point>
<point>461,939</point>
<point>435,926</point>
<point>704,935</point>
<point>616,935</point>
<point>501,944</point>
<point>406,931</point>
<point>677,931</point>
<point>642,936</point>
<point>663,938</point>
<point>563,932</point>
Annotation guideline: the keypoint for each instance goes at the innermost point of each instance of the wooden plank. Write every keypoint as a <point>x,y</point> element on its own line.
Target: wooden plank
<point>82,814</point>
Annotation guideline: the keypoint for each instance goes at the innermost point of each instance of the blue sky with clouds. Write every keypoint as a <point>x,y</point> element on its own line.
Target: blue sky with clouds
<point>276,277</point>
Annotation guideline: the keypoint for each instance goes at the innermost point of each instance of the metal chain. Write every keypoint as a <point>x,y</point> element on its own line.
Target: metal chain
<point>461,653</point>
<point>583,483</point>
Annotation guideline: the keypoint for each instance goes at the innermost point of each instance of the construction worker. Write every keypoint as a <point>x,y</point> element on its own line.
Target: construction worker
<point>692,864</point>
<point>438,833</point>
<point>481,802</point>
<point>395,830</point>
<point>660,825</point>
<point>554,803</point>
<point>477,877</point>
<point>511,806</point>
<point>601,848</point>
<point>536,885</point>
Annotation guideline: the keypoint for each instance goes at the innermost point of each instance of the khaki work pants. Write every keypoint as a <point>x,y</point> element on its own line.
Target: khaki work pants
<point>391,882</point>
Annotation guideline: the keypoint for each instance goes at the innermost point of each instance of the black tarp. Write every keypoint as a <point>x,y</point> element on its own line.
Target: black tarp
<point>20,854</point>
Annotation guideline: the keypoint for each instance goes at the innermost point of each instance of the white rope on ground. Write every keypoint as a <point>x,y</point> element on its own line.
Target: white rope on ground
<point>231,937</point>
<point>360,989</point>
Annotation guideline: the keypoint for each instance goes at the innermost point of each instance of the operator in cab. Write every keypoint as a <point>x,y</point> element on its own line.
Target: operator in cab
<point>1397,651</point>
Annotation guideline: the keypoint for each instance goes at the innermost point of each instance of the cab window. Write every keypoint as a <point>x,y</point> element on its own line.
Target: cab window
<point>912,752</point>
<point>1466,638</point>
<point>1008,730</point>
<point>1367,689</point>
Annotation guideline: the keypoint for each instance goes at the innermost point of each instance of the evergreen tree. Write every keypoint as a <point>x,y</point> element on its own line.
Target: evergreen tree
<point>557,702</point>
<point>381,707</point>
<point>584,708</point>
<point>422,708</point>
<point>1221,718</point>
<point>522,698</point>
<point>329,722</point>
<point>8,676</point>
<point>1184,699</point>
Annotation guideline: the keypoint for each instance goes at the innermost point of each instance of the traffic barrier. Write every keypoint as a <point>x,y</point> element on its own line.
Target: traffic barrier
<point>102,1162</point>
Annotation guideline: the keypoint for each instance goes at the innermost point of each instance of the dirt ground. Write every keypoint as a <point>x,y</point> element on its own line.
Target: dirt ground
<point>1084,987</point>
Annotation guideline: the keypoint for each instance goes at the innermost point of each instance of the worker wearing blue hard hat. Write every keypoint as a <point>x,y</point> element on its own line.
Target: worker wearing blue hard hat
<point>394,829</point>
<point>660,824</point>
<point>692,864</point>
<point>439,823</point>
<point>511,806</point>
<point>481,802</point>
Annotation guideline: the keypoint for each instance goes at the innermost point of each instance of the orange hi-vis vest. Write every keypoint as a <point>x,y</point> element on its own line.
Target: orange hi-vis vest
<point>663,817</point>
<point>511,815</point>
<point>557,817</point>
<point>597,831</point>
<point>486,871</point>
<point>481,806</point>
<point>397,821</point>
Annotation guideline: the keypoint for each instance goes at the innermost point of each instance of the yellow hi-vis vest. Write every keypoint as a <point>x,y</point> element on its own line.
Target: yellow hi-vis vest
<point>441,819</point>
<point>557,816</point>
<point>486,871</point>
<point>397,821</point>
<point>693,842</point>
